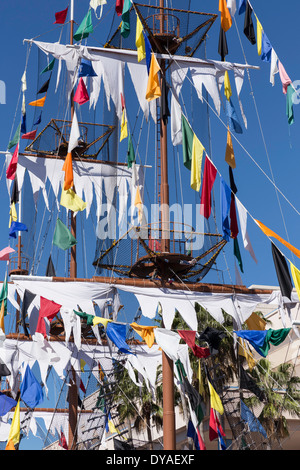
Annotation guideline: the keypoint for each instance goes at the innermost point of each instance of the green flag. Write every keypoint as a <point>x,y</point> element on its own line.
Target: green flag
<point>85,28</point>
<point>15,138</point>
<point>125,28</point>
<point>237,253</point>
<point>48,67</point>
<point>187,142</point>
<point>130,153</point>
<point>86,316</point>
<point>62,236</point>
<point>289,104</point>
<point>3,303</point>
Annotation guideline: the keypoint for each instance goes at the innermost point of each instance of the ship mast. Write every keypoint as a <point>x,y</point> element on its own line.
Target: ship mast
<point>169,440</point>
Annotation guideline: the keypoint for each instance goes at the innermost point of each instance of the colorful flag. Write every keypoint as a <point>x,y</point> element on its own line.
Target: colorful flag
<point>285,79</point>
<point>70,200</point>
<point>119,7</point>
<point>116,332</point>
<point>227,86</point>
<point>17,227</point>
<point>86,69</point>
<point>215,401</point>
<point>124,131</point>
<point>146,333</point>
<point>140,40</point>
<point>130,153</point>
<point>12,167</point>
<point>14,433</point>
<point>30,135</point>
<point>266,49</point>
<point>31,391</point>
<point>62,236</point>
<point>153,86</point>
<point>148,51</point>
<point>187,142</point>
<point>125,27</point>
<point>139,204</point>
<point>48,67</point>
<point>243,224</point>
<point>48,309</point>
<point>85,27</point>
<point>38,103</point>
<point>68,169</point>
<point>189,337</point>
<point>259,31</point>
<point>296,278</point>
<point>13,216</point>
<point>226,21</point>
<point>270,233</point>
<point>251,420</point>
<point>15,138</point>
<point>81,95</point>
<point>4,254</point>
<point>3,303</point>
<point>225,193</point>
<point>233,121</point>
<point>229,154</point>
<point>209,176</point>
<point>60,16</point>
<point>197,155</point>
<point>6,403</point>
<point>289,104</point>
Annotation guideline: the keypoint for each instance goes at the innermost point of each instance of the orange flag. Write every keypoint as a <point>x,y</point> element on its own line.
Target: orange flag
<point>226,21</point>
<point>270,233</point>
<point>40,103</point>
<point>68,169</point>
<point>153,87</point>
<point>229,155</point>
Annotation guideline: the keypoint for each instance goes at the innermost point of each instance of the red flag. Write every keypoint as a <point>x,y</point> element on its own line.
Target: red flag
<point>234,229</point>
<point>214,426</point>
<point>30,135</point>
<point>12,167</point>
<point>48,309</point>
<point>119,7</point>
<point>60,16</point>
<point>209,176</point>
<point>81,95</point>
<point>63,441</point>
<point>200,440</point>
<point>189,337</point>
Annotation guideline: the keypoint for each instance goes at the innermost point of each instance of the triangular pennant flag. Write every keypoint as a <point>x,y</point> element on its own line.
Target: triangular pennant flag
<point>39,120</point>
<point>248,25</point>
<point>197,155</point>
<point>48,309</point>
<point>39,103</point>
<point>4,254</point>
<point>296,278</point>
<point>214,426</point>
<point>266,48</point>
<point>14,433</point>
<point>130,153</point>
<point>12,167</point>
<point>215,401</point>
<point>74,134</point>
<point>45,87</point>
<point>49,67</point>
<point>139,204</point>
<point>222,47</point>
<point>227,86</point>
<point>85,27</point>
<point>234,229</point>
<point>62,236</point>
<point>237,254</point>
<point>27,300</point>
<point>282,272</point>
<point>15,138</point>
<point>146,333</point>
<point>270,233</point>
<point>31,391</point>
<point>140,40</point>
<point>125,26</point>
<point>229,154</point>
<point>81,95</point>
<point>70,200</point>
<point>86,69</point>
<point>243,224</point>
<point>17,227</point>
<point>23,123</point>
<point>189,338</point>
<point>153,86</point>
<point>50,271</point>
<point>209,176</point>
<point>119,7</point>
<point>6,404</point>
<point>233,121</point>
<point>60,16</point>
<point>248,383</point>
<point>225,193</point>
<point>187,142</point>
<point>148,51</point>
<point>251,420</point>
<point>29,135</point>
<point>124,131</point>
<point>68,169</point>
<point>226,21</point>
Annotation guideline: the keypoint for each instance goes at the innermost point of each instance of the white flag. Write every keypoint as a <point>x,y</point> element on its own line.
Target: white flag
<point>74,134</point>
<point>243,223</point>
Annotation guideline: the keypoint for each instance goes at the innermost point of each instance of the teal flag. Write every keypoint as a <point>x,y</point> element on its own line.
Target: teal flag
<point>85,28</point>
<point>62,236</point>
<point>48,67</point>
<point>130,153</point>
<point>289,104</point>
<point>85,316</point>
<point>15,138</point>
<point>125,28</point>
<point>237,253</point>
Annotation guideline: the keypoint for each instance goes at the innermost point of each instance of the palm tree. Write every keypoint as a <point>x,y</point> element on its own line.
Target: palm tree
<point>282,395</point>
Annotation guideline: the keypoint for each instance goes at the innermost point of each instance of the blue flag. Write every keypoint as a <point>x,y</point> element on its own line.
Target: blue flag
<point>148,51</point>
<point>86,69</point>
<point>225,192</point>
<point>6,404</point>
<point>117,334</point>
<point>266,48</point>
<point>31,390</point>
<point>242,6</point>
<point>251,420</point>
<point>17,227</point>
<point>233,121</point>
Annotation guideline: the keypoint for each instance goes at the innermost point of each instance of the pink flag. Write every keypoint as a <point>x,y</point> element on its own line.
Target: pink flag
<point>60,16</point>
<point>285,79</point>
<point>12,167</point>
<point>30,135</point>
<point>4,254</point>
<point>48,309</point>
<point>81,95</point>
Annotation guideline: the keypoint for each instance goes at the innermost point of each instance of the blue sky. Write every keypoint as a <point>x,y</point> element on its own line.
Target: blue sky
<point>273,145</point>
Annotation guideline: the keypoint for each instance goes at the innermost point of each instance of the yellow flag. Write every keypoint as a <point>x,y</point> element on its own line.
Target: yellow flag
<point>255,322</point>
<point>103,321</point>
<point>296,278</point>
<point>200,381</point>
<point>215,401</point>
<point>245,352</point>
<point>82,364</point>
<point>39,103</point>
<point>13,214</point>
<point>270,233</point>
<point>139,204</point>
<point>197,154</point>
<point>71,200</point>
<point>153,87</point>
<point>227,86</point>
<point>124,131</point>
<point>259,30</point>
<point>146,332</point>
<point>139,40</point>
<point>111,427</point>
<point>14,433</point>
<point>229,154</point>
